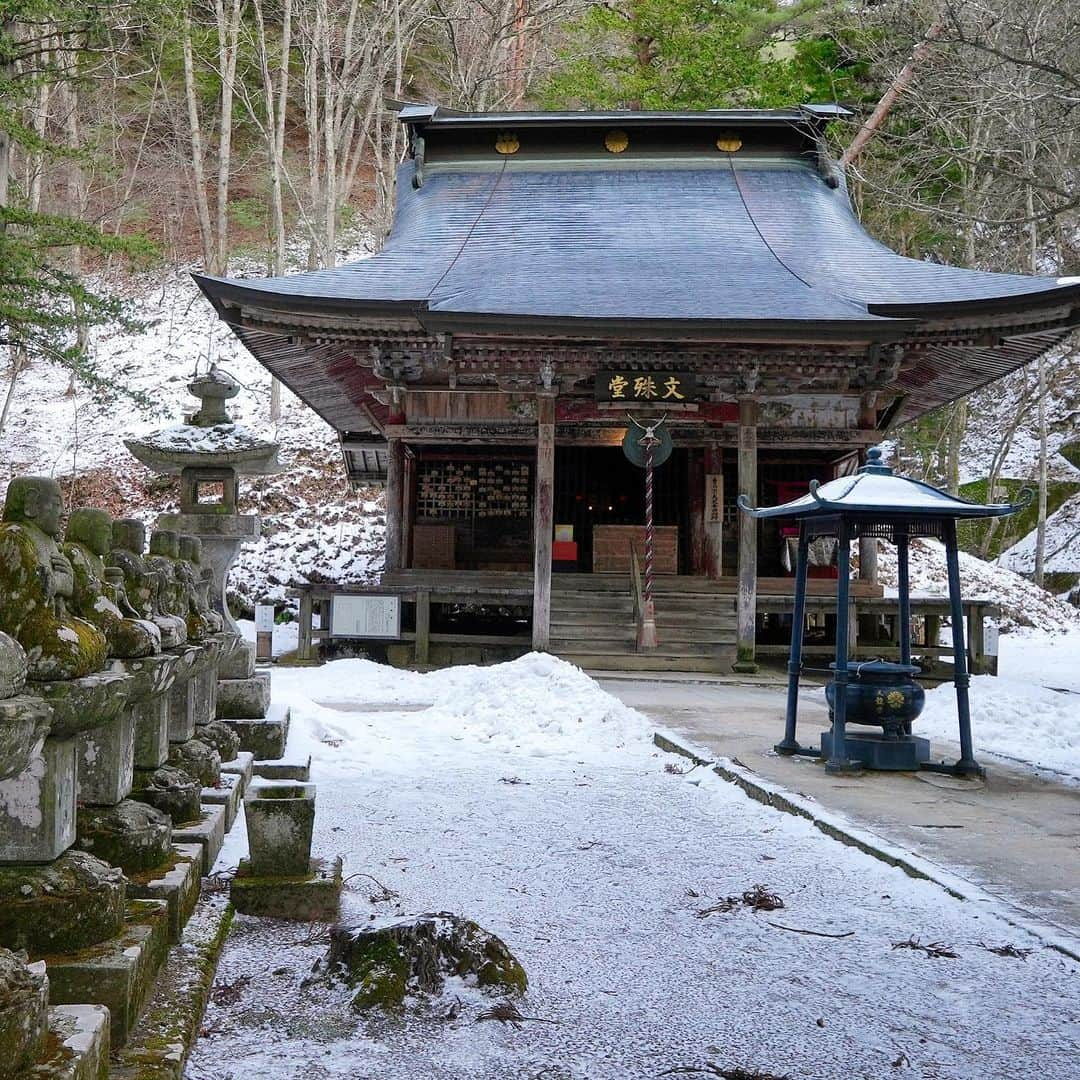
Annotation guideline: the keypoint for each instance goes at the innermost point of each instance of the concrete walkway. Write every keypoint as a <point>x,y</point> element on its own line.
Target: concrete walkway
<point>1016,835</point>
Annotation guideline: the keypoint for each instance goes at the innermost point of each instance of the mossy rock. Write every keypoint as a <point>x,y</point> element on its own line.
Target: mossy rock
<point>383,960</point>
<point>132,835</point>
<point>197,759</point>
<point>23,1013</point>
<point>221,738</point>
<point>67,905</point>
<point>175,792</point>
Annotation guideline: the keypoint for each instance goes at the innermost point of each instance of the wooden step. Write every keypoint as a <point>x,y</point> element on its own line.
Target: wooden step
<point>648,661</point>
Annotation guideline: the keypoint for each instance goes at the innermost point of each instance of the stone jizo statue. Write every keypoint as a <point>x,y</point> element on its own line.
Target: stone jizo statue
<point>99,600</point>
<point>178,591</point>
<point>200,578</point>
<point>36,586</point>
<point>142,584</point>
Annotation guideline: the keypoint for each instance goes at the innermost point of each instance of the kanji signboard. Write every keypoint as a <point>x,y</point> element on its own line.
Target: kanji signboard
<point>646,387</point>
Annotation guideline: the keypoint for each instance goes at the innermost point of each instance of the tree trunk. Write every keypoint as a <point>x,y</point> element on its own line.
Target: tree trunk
<point>198,159</point>
<point>228,27</point>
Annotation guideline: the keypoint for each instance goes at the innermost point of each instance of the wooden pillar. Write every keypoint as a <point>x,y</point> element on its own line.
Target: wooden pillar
<point>748,530</point>
<point>714,512</point>
<point>423,626</point>
<point>695,461</point>
<point>868,568</point>
<point>395,476</point>
<point>543,520</point>
<point>408,507</point>
<point>304,650</point>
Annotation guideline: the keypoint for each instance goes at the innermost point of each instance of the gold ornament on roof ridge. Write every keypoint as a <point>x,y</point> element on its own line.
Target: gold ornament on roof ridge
<point>507,143</point>
<point>616,141</point>
<point>728,142</point>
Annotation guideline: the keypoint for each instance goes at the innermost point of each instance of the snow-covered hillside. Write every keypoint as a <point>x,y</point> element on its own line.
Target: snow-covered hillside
<point>314,528</point>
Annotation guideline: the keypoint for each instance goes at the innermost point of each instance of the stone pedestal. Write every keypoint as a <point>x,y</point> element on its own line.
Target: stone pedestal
<point>37,807</point>
<point>238,662</point>
<point>280,817</point>
<point>170,790</point>
<point>105,761</point>
<point>244,699</point>
<point>149,704</point>
<point>24,723</point>
<point>131,835</point>
<point>24,1013</point>
<point>182,694</point>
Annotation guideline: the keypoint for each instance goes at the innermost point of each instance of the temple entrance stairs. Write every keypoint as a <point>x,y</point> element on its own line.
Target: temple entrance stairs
<point>592,624</point>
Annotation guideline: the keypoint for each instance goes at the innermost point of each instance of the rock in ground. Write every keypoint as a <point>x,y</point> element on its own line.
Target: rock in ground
<point>385,959</point>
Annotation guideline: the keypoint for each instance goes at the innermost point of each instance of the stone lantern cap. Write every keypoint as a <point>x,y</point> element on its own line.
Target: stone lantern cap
<point>210,440</point>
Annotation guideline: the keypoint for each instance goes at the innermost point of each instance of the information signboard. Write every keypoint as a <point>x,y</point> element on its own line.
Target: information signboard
<point>368,616</point>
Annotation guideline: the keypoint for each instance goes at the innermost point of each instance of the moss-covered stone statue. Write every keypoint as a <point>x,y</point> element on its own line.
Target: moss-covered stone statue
<point>143,585</point>
<point>198,583</point>
<point>176,596</point>
<point>99,600</point>
<point>36,586</point>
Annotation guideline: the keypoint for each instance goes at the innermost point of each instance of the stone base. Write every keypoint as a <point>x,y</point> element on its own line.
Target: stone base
<point>198,760</point>
<point>243,699</point>
<point>872,751</point>
<point>131,835</point>
<point>228,795</point>
<point>284,770</point>
<point>37,807</point>
<point>208,832</point>
<point>265,737</point>
<point>178,882</point>
<point>71,904</point>
<point>81,704</point>
<point>106,756</point>
<point>311,898</point>
<point>118,973</point>
<point>241,766</point>
<point>205,695</point>
<point>77,1047</point>
<point>239,663</point>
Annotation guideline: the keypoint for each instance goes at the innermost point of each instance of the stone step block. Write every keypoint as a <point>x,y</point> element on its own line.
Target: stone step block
<point>243,699</point>
<point>297,769</point>
<point>241,767</point>
<point>182,710</point>
<point>227,794</point>
<point>37,807</point>
<point>264,738</point>
<point>158,1047</point>
<point>208,832</point>
<point>178,882</point>
<point>77,1047</point>
<point>118,973</point>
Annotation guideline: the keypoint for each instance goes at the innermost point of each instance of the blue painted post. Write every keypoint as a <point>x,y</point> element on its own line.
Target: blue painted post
<point>967,765</point>
<point>790,744</point>
<point>903,591</point>
<point>838,760</point>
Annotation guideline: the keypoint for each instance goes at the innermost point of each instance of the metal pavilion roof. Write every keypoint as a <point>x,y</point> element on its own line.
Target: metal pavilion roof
<point>876,492</point>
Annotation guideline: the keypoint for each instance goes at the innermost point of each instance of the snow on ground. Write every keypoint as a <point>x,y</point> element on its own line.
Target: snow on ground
<point>525,797</point>
<point>1022,602</point>
<point>1030,712</point>
<point>1062,544</point>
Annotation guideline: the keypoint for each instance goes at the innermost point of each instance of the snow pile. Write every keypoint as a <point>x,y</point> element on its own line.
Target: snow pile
<point>1029,712</point>
<point>1022,602</point>
<point>534,705</point>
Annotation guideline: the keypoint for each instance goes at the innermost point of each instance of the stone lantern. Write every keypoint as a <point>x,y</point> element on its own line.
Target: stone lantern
<point>210,453</point>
